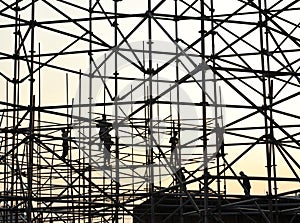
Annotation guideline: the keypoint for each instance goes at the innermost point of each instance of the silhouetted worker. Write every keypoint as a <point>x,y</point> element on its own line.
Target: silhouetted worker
<point>104,126</point>
<point>246,183</point>
<point>180,178</point>
<point>105,137</point>
<point>65,143</point>
<point>174,142</point>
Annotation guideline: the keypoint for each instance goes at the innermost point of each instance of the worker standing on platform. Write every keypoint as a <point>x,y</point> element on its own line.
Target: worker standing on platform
<point>180,178</point>
<point>174,142</point>
<point>105,137</point>
<point>246,183</point>
<point>65,143</point>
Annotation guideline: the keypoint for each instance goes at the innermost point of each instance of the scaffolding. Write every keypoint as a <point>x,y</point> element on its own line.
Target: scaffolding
<point>147,111</point>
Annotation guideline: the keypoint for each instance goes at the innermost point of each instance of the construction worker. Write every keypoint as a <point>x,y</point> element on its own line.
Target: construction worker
<point>180,178</point>
<point>65,144</point>
<point>174,141</point>
<point>245,183</point>
<point>105,137</point>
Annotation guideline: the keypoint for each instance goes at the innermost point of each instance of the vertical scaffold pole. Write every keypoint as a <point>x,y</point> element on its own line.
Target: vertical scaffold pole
<point>31,121</point>
<point>90,111</point>
<point>117,152</point>
<point>204,133</point>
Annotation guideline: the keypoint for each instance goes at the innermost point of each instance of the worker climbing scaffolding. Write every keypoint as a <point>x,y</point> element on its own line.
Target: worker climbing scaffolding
<point>105,137</point>
<point>65,143</point>
<point>174,144</point>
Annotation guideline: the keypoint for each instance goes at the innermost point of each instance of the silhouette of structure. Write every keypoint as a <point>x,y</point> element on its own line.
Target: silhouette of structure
<point>49,50</point>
